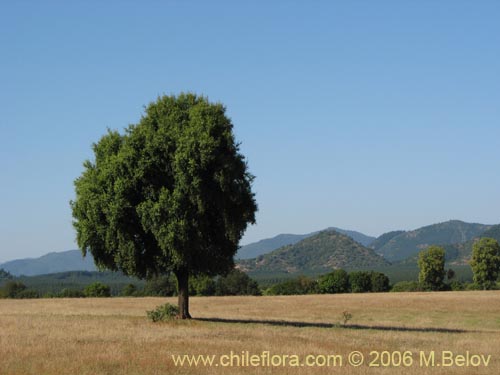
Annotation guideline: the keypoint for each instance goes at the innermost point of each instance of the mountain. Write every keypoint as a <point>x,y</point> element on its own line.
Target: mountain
<point>71,260</point>
<point>381,241</point>
<point>408,244</point>
<point>319,253</point>
<point>267,245</point>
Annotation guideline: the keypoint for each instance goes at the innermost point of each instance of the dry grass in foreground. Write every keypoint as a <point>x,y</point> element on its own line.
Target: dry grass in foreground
<point>112,336</point>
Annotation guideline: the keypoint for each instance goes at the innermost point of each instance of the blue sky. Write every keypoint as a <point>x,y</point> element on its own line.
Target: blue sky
<point>364,115</point>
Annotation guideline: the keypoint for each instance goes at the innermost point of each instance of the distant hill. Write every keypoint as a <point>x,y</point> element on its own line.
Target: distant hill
<point>408,244</point>
<point>267,245</point>
<point>71,260</point>
<point>321,252</point>
<point>381,241</point>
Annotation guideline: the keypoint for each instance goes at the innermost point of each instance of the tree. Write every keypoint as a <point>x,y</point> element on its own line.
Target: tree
<point>379,282</point>
<point>236,283</point>
<point>171,194</point>
<point>97,289</point>
<point>334,282</point>
<point>485,262</point>
<point>431,264</point>
<point>360,282</point>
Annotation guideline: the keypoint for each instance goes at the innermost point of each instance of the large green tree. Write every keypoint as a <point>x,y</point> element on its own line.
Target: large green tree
<point>485,262</point>
<point>171,194</point>
<point>431,264</point>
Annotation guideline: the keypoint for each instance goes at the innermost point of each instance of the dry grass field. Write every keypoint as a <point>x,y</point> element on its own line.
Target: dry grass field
<point>113,336</point>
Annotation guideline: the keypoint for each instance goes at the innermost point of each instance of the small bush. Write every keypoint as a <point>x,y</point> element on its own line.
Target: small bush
<point>163,313</point>
<point>97,289</point>
<point>27,294</point>
<point>346,316</point>
<point>407,286</point>
<point>129,290</point>
<point>360,281</point>
<point>11,289</point>
<point>456,285</point>
<point>334,282</point>
<point>70,293</point>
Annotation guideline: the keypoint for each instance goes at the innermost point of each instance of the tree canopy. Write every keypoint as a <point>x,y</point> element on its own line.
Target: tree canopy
<point>431,264</point>
<point>171,194</point>
<point>485,262</point>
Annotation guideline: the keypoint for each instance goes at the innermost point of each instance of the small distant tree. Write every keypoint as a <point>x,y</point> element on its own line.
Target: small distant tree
<point>334,282</point>
<point>97,289</point>
<point>129,290</point>
<point>431,265</point>
<point>450,274</point>
<point>160,286</point>
<point>379,282</point>
<point>360,281</point>
<point>12,289</point>
<point>236,283</point>
<point>485,262</point>
<point>202,285</point>
<point>296,286</point>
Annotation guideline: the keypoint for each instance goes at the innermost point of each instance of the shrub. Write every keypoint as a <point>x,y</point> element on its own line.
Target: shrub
<point>163,313</point>
<point>160,286</point>
<point>360,282</point>
<point>406,286</point>
<point>300,285</point>
<point>129,290</point>
<point>70,293</point>
<point>97,289</point>
<point>334,282</point>
<point>456,285</point>
<point>236,283</point>
<point>379,282</point>
<point>27,294</point>
<point>11,289</point>
<point>202,286</point>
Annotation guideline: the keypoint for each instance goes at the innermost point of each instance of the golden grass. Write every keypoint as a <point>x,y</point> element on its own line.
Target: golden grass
<point>113,336</point>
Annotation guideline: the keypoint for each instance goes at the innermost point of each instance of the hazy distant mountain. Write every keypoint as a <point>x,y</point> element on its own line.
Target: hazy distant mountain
<point>322,252</point>
<point>267,245</point>
<point>381,241</point>
<point>408,244</point>
<point>71,260</point>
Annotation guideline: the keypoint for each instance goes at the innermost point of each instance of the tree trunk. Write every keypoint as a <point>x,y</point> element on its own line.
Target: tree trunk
<point>183,299</point>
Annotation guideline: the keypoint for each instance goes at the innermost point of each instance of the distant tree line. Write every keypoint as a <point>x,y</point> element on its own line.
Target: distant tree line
<point>235,283</point>
<point>433,276</point>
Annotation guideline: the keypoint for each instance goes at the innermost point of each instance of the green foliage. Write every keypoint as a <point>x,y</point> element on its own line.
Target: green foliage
<point>160,286</point>
<point>97,289</point>
<point>334,282</point>
<point>456,285</point>
<point>203,285</point>
<point>485,262</point>
<point>379,282</point>
<point>163,313</point>
<point>431,264</point>
<point>236,283</point>
<point>172,193</point>
<point>12,289</point>
<point>27,294</point>
<point>129,290</point>
<point>407,286</point>
<point>360,281</point>
<point>70,293</point>
<point>4,275</point>
<point>299,285</point>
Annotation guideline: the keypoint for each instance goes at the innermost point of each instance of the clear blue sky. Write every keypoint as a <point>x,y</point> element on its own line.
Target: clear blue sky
<point>366,115</point>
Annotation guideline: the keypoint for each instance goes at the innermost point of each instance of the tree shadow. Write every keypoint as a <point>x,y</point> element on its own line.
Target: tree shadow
<point>286,323</point>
